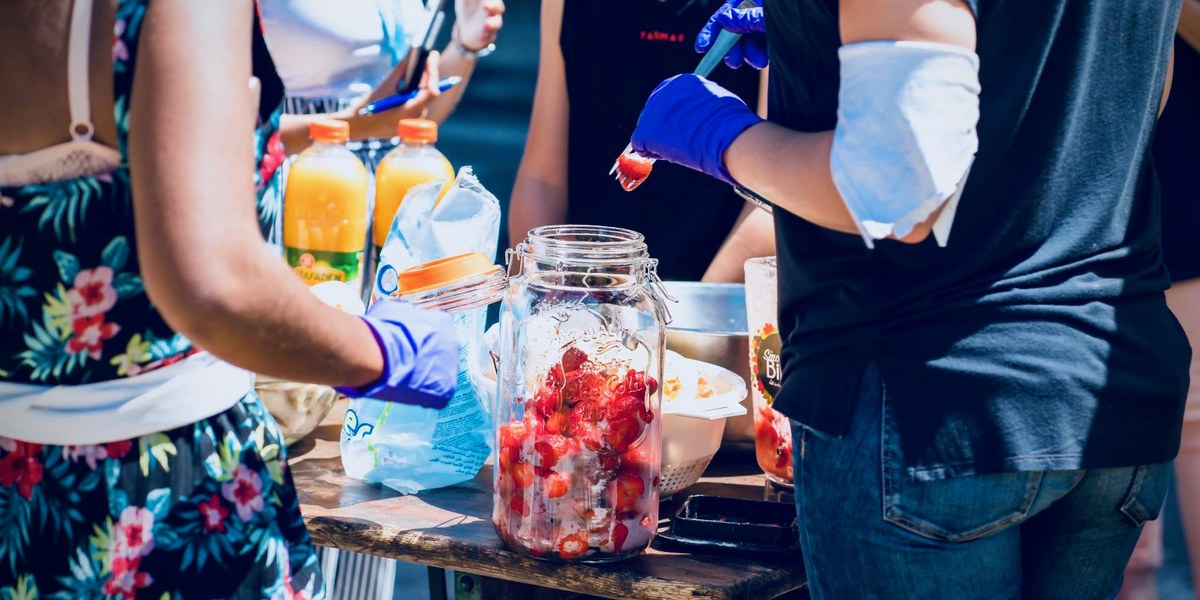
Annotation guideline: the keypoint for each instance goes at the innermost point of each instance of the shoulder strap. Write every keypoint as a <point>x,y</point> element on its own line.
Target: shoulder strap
<point>77,71</point>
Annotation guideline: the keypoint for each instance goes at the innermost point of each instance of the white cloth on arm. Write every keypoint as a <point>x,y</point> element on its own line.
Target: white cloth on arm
<point>906,134</point>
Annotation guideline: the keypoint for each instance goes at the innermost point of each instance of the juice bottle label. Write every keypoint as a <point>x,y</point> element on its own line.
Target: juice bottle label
<point>316,266</point>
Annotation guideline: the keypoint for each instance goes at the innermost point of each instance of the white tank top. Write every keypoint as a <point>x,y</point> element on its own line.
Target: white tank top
<point>336,51</point>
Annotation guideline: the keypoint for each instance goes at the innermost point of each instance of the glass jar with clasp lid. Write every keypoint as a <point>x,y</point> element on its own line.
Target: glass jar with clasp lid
<point>578,433</point>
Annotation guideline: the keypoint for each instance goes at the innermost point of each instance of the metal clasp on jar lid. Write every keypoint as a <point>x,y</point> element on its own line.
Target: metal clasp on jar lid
<point>656,283</point>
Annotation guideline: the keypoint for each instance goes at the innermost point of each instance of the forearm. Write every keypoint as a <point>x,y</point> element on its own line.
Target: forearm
<point>286,333</point>
<point>1189,23</point>
<point>535,202</point>
<point>752,236</point>
<point>775,162</point>
<point>453,63</point>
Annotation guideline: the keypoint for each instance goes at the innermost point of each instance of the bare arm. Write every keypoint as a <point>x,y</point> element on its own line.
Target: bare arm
<point>204,262</point>
<point>753,234</point>
<point>754,158</point>
<point>539,194</point>
<point>1189,23</point>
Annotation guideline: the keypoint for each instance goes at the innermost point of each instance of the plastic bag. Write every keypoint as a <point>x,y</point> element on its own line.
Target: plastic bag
<point>408,448</point>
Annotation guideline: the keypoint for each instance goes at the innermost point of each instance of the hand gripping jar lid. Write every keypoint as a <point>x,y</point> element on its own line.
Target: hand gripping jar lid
<point>453,283</point>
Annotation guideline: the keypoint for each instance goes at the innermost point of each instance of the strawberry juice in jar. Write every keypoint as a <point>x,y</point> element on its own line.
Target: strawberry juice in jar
<point>772,430</point>
<point>578,428</point>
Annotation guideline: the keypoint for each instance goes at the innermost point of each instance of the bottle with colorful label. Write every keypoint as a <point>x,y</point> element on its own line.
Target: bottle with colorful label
<point>415,161</point>
<point>325,209</point>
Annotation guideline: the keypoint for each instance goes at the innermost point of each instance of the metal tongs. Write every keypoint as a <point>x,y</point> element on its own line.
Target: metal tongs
<point>421,44</point>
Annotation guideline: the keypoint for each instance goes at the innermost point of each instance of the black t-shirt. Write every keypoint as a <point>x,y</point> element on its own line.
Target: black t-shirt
<point>615,53</point>
<point>1177,156</point>
<point>1039,337</point>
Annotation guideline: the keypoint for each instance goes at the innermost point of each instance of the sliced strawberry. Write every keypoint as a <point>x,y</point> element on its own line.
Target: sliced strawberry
<point>624,407</point>
<point>557,423</point>
<point>609,461</point>
<point>512,434</point>
<point>588,433</point>
<point>636,460</point>
<point>519,505</point>
<point>551,448</point>
<point>584,387</point>
<point>651,385</point>
<point>573,358</point>
<point>630,489</point>
<point>547,401</point>
<point>522,475</point>
<point>557,485</point>
<point>619,533</point>
<point>506,457</point>
<point>621,433</point>
<point>572,546</point>
<point>555,377</point>
<point>634,167</point>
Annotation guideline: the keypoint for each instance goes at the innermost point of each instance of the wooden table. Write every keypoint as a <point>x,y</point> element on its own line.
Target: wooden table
<point>451,528</point>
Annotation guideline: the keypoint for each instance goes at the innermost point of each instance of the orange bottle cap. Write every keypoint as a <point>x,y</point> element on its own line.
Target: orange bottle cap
<point>329,130</point>
<point>417,130</point>
<point>442,272</point>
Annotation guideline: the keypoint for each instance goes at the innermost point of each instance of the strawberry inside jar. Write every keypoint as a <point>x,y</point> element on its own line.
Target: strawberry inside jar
<point>577,473</point>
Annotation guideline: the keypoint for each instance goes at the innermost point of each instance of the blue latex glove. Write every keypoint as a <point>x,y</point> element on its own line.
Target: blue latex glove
<point>752,48</point>
<point>420,355</point>
<point>691,121</point>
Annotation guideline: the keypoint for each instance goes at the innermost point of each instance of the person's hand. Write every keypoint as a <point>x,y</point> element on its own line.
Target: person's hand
<point>383,125</point>
<point>752,48</point>
<point>477,22</point>
<point>420,355</point>
<point>691,121</point>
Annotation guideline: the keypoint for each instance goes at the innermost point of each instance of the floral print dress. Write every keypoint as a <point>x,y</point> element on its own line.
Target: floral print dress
<point>206,510</point>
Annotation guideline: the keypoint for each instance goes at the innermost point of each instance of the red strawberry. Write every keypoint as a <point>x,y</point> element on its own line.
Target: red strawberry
<point>557,485</point>
<point>506,457</point>
<point>519,505</point>
<point>635,168</point>
<point>555,378</point>
<point>608,461</point>
<point>584,387</point>
<point>573,358</point>
<point>572,546</point>
<point>651,385</point>
<point>513,434</point>
<point>547,401</point>
<point>622,407</point>
<point>522,475</point>
<point>619,533</point>
<point>588,433</point>
<point>551,448</point>
<point>621,433</point>
<point>636,460</point>
<point>557,423</point>
<point>630,489</point>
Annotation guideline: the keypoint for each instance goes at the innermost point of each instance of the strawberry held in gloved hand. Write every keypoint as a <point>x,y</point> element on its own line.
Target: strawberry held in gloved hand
<point>691,121</point>
<point>752,48</point>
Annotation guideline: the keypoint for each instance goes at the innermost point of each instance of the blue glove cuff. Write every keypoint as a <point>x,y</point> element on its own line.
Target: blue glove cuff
<point>420,359</point>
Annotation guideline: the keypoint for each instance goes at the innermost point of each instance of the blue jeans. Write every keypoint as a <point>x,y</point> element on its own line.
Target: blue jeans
<point>869,531</point>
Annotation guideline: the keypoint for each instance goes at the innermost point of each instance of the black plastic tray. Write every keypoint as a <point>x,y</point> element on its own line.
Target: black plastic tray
<point>733,525</point>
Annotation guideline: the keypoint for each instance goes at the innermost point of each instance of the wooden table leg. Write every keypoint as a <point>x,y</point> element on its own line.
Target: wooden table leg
<point>477,587</point>
<point>437,583</point>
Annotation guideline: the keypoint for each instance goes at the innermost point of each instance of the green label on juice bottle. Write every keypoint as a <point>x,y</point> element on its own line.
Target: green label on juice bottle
<point>316,266</point>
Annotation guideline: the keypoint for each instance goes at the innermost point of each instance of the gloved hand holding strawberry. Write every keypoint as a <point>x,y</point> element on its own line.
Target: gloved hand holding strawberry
<point>692,121</point>
<point>749,22</point>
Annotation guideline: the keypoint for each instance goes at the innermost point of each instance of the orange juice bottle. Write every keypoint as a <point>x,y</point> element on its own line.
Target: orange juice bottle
<point>413,162</point>
<point>325,208</point>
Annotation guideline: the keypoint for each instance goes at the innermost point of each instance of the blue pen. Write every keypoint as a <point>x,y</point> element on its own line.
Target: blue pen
<point>393,101</point>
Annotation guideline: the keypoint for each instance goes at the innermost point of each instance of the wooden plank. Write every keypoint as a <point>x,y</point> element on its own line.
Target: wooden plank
<point>451,528</point>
